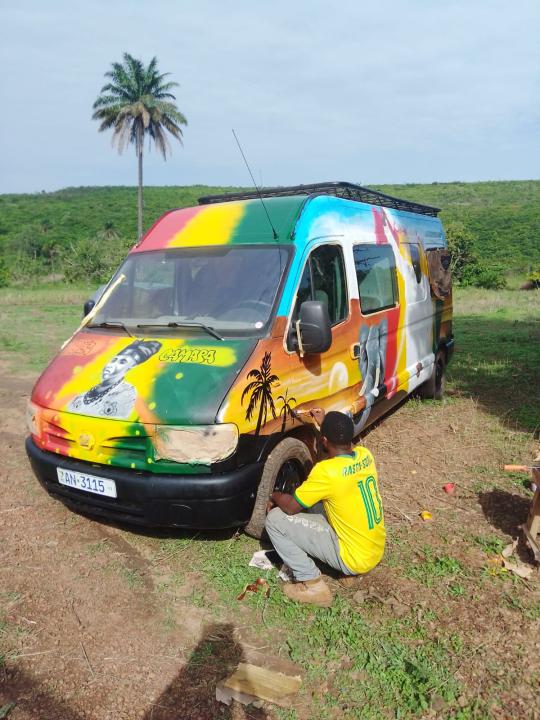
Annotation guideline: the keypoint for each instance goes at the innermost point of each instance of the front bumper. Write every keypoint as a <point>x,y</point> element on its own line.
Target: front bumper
<point>185,501</point>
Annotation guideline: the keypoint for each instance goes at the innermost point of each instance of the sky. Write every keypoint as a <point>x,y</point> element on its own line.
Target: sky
<point>394,91</point>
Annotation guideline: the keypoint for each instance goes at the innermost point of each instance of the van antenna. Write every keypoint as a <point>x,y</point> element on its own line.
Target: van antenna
<point>256,186</point>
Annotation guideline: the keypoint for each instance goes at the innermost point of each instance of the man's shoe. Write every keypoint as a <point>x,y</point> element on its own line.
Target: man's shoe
<point>350,581</point>
<point>314,591</point>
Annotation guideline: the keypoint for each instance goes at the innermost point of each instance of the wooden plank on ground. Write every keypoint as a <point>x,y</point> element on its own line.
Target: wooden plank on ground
<point>258,682</point>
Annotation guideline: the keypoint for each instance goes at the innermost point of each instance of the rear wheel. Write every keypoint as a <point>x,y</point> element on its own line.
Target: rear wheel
<point>433,389</point>
<point>285,469</point>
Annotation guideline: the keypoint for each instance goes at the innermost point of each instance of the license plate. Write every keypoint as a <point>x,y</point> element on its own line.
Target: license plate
<point>90,483</point>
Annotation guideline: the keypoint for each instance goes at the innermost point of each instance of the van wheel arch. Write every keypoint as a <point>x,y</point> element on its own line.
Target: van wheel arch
<point>290,450</point>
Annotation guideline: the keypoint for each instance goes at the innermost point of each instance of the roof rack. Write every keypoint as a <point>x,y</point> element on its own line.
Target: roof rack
<point>346,190</point>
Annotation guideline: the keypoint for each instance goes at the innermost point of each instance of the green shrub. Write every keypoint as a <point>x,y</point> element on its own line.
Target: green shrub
<point>479,274</point>
<point>491,277</point>
<point>460,243</point>
<point>92,259</point>
<point>534,278</point>
<point>5,275</point>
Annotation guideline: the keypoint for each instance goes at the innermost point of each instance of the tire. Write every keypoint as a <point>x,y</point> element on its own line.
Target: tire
<point>287,467</point>
<point>433,389</point>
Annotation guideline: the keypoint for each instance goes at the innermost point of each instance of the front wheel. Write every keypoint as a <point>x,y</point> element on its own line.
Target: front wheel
<point>285,469</point>
<point>433,389</point>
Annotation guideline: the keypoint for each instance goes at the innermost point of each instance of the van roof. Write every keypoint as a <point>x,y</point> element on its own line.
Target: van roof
<point>239,221</point>
<point>346,190</point>
<point>241,217</point>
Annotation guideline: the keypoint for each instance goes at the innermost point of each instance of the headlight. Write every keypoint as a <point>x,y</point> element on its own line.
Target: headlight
<point>32,418</point>
<point>195,444</point>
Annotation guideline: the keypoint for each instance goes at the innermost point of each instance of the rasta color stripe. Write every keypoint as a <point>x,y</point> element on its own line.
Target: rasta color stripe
<point>222,224</point>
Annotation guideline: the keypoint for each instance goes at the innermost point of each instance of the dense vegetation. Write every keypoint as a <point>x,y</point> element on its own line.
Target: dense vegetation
<point>82,232</point>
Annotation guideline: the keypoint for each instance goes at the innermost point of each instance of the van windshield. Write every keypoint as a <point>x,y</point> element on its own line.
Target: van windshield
<point>228,289</point>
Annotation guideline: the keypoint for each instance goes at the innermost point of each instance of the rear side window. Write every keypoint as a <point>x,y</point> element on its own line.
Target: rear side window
<point>415,259</point>
<point>376,274</point>
<point>323,279</point>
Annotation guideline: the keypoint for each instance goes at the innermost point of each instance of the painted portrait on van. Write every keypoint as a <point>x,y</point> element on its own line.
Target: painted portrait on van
<point>114,397</point>
<point>372,362</point>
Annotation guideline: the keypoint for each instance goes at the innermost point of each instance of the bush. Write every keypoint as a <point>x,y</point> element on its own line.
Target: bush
<point>5,275</point>
<point>460,243</point>
<point>466,268</point>
<point>90,260</point>
<point>478,274</point>
<point>534,278</point>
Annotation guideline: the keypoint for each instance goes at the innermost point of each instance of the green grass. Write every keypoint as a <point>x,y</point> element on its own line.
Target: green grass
<point>490,545</point>
<point>403,665</point>
<point>34,322</point>
<point>529,610</point>
<point>432,568</point>
<point>97,547</point>
<point>132,577</point>
<point>497,359</point>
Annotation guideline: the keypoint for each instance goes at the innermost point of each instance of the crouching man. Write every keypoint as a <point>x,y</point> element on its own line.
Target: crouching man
<point>351,537</point>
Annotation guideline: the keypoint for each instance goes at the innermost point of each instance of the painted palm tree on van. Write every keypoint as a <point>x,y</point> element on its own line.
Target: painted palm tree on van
<point>286,411</point>
<point>260,392</point>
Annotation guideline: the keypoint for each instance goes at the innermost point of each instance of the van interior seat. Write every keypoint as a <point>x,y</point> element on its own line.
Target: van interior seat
<point>160,302</point>
<point>321,296</point>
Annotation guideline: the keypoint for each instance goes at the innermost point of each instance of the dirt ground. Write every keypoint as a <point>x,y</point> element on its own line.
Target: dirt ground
<point>89,642</point>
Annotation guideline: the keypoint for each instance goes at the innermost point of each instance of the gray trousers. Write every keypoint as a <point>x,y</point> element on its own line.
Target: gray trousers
<point>301,537</point>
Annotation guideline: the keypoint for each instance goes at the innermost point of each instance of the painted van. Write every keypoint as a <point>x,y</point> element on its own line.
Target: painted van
<point>185,396</point>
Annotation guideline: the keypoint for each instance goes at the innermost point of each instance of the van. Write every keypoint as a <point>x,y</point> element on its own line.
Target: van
<point>186,395</point>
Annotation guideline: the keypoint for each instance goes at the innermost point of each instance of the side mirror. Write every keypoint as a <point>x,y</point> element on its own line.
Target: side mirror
<point>313,329</point>
<point>87,307</point>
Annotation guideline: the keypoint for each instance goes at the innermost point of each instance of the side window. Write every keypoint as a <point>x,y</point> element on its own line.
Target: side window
<point>329,285</point>
<point>305,291</point>
<point>415,258</point>
<point>376,274</point>
<point>323,279</point>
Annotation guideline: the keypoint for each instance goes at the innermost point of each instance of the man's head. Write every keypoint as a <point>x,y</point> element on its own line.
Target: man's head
<point>337,431</point>
<point>134,354</point>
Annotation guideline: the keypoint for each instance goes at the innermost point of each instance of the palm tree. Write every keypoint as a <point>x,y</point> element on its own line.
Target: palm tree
<point>108,232</point>
<point>135,103</point>
<point>261,392</point>
<point>286,408</point>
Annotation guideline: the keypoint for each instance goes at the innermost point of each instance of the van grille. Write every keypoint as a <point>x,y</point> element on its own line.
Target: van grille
<point>63,433</point>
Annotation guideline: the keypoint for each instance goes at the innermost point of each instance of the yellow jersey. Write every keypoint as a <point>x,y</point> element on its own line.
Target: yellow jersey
<point>348,488</point>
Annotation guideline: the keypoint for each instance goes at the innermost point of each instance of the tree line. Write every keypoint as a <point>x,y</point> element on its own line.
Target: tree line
<point>76,234</point>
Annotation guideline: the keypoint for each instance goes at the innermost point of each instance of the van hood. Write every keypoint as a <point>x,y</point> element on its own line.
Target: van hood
<point>159,380</point>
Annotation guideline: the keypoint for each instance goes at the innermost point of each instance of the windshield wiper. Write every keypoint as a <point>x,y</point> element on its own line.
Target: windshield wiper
<point>206,328</point>
<point>111,324</point>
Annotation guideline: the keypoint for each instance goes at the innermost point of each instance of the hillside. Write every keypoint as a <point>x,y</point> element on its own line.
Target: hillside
<point>503,216</point>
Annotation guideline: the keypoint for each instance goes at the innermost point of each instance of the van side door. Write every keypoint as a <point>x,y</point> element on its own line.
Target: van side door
<point>379,351</point>
<point>418,321</point>
<point>326,379</point>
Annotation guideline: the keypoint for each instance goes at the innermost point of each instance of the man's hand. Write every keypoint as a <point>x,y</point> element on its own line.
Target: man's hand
<point>317,414</point>
<point>285,502</point>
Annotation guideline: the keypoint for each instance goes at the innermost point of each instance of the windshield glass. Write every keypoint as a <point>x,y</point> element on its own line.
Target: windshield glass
<point>229,289</point>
